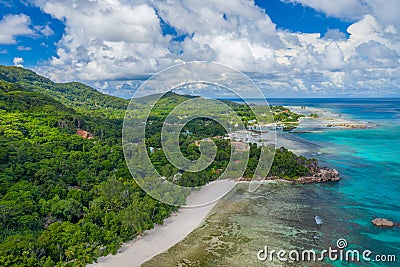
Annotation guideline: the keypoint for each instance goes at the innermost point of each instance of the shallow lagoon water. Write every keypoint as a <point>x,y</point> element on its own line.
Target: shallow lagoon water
<point>242,223</point>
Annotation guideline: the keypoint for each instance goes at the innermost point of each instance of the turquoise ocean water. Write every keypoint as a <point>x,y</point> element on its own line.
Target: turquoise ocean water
<point>369,163</point>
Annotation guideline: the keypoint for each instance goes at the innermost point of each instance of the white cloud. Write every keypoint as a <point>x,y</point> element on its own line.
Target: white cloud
<point>334,34</point>
<point>385,11</point>
<point>107,40</point>
<point>44,30</point>
<point>23,48</point>
<point>127,43</point>
<point>333,58</point>
<point>18,61</point>
<point>337,8</point>
<point>12,26</point>
<point>236,32</point>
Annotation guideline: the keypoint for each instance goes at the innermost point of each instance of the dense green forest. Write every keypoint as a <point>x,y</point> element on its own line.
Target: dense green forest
<point>74,95</point>
<point>66,199</point>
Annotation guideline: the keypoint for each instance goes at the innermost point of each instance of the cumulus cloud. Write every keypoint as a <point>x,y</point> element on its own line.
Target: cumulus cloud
<point>23,48</point>
<point>126,40</point>
<point>385,11</point>
<point>333,58</point>
<point>44,30</point>
<point>12,26</point>
<point>337,8</point>
<point>128,43</point>
<point>18,61</point>
<point>375,55</point>
<point>334,34</point>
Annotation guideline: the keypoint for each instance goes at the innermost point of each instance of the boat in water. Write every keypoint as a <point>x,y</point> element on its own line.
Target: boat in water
<point>318,220</point>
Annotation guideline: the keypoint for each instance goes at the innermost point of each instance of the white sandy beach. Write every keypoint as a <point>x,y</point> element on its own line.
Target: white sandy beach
<point>174,229</point>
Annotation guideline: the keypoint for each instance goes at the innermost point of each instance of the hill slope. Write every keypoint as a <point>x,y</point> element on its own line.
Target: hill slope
<point>64,198</point>
<point>74,94</point>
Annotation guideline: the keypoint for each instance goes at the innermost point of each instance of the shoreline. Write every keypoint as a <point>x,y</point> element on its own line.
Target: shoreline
<point>325,119</point>
<point>243,223</point>
<point>174,229</point>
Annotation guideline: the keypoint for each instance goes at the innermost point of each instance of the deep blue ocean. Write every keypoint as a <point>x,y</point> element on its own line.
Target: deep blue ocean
<point>369,163</point>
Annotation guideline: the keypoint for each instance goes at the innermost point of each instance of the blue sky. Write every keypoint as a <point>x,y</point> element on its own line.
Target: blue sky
<point>289,47</point>
<point>36,47</point>
<point>299,18</point>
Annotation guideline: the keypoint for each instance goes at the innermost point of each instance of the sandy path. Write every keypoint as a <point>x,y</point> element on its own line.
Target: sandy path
<point>174,229</point>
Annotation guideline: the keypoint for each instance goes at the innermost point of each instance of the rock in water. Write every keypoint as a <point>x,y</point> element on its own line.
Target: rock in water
<point>382,222</point>
<point>321,176</point>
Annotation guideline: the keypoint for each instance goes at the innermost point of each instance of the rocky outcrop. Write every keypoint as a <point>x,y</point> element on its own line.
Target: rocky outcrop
<point>348,125</point>
<point>322,175</point>
<point>383,223</point>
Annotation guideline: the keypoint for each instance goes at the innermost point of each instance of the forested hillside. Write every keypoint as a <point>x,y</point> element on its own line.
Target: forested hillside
<point>64,198</point>
<point>75,95</point>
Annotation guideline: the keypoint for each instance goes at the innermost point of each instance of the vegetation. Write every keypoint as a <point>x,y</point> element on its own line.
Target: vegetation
<point>75,95</point>
<point>282,114</point>
<point>66,199</point>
